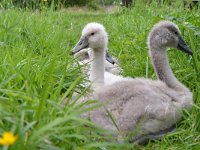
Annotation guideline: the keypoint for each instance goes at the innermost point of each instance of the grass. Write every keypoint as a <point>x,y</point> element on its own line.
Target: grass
<point>38,78</point>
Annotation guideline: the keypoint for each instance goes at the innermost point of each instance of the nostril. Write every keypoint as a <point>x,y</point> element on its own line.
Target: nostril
<point>80,43</point>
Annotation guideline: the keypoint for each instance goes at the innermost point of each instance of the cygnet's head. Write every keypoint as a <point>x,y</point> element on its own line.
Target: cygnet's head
<point>93,36</point>
<point>84,54</point>
<point>167,34</point>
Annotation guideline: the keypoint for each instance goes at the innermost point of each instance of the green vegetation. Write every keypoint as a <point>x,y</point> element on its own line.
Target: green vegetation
<point>38,78</point>
<point>39,4</point>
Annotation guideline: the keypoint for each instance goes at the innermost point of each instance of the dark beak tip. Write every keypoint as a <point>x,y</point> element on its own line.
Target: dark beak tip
<point>189,51</point>
<point>184,47</point>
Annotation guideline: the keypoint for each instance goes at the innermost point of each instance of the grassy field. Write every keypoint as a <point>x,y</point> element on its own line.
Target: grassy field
<point>37,74</point>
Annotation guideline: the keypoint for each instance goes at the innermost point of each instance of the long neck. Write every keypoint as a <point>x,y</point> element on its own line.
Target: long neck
<point>163,70</point>
<point>97,67</point>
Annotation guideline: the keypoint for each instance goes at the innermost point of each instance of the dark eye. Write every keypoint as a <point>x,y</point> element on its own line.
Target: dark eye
<point>92,33</point>
<point>176,32</point>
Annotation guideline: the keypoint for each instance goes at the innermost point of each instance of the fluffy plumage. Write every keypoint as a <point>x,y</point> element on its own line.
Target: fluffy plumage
<point>84,59</point>
<point>143,105</point>
<point>94,36</point>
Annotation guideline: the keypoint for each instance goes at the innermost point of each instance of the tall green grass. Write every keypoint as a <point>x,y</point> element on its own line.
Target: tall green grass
<point>38,76</point>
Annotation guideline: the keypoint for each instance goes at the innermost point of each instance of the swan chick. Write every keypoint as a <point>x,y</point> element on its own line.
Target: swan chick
<point>144,106</point>
<point>94,36</point>
<point>84,59</point>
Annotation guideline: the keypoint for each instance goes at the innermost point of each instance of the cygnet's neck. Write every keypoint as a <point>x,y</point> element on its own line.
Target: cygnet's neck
<point>163,69</point>
<point>97,67</point>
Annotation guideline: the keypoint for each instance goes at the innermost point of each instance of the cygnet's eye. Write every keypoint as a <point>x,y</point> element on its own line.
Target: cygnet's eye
<point>175,32</point>
<point>92,33</point>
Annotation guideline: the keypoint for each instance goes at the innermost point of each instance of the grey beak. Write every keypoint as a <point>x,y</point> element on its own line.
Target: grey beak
<point>109,58</point>
<point>184,47</point>
<point>82,43</point>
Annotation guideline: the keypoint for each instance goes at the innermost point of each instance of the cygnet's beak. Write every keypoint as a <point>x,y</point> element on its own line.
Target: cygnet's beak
<point>184,47</point>
<point>109,58</point>
<point>82,43</point>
